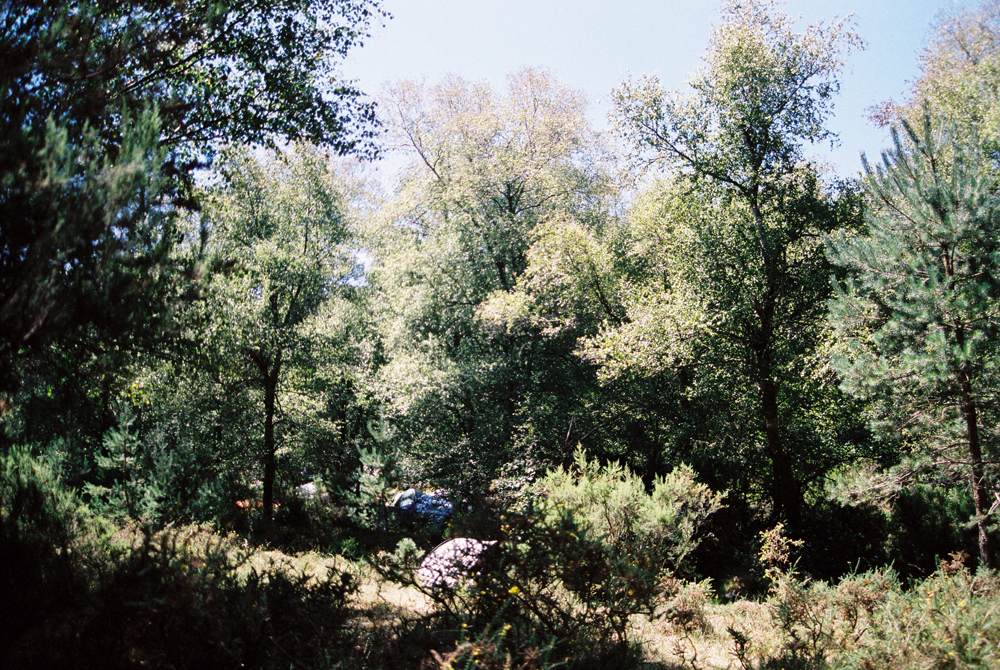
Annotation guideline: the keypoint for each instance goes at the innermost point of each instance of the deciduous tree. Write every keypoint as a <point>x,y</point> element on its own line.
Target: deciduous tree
<point>277,315</point>
<point>751,270</point>
<point>486,170</point>
<point>959,73</point>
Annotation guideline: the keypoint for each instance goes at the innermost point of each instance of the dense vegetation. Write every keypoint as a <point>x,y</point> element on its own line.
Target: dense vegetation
<point>698,392</point>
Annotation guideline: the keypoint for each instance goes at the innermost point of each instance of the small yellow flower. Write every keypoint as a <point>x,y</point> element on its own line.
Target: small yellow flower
<point>513,590</point>
<point>507,627</point>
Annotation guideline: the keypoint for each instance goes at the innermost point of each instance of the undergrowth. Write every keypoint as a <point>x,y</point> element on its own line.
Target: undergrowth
<point>559,591</point>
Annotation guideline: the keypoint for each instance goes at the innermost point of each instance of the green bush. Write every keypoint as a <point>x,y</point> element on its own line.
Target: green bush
<point>592,550</point>
<point>870,620</point>
<point>77,592</point>
<point>612,501</point>
<point>186,599</point>
<point>815,621</point>
<point>39,519</point>
<point>946,621</point>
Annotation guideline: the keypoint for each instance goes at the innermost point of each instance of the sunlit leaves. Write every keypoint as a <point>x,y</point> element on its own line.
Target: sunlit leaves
<point>489,174</point>
<point>281,234</point>
<point>764,91</point>
<point>734,273</point>
<point>960,71</point>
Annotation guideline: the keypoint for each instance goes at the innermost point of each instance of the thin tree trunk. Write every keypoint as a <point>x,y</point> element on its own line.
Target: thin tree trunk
<point>979,497</point>
<point>270,391</point>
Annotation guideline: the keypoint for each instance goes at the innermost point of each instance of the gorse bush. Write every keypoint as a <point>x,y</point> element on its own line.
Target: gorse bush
<point>592,550</point>
<point>39,520</point>
<point>76,592</point>
<point>868,620</point>
<point>32,501</point>
<point>946,621</point>
<point>613,501</point>
<point>187,598</point>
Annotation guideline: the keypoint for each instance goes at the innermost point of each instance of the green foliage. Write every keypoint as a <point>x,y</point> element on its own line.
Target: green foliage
<point>870,620</point>
<point>39,521</point>
<point>486,170</point>
<point>377,475</point>
<point>923,271</point>
<point>764,91</point>
<point>376,478</point>
<point>168,344</point>
<point>34,501</point>
<point>185,600</point>
<point>664,524</point>
<point>959,73</point>
<point>916,323</point>
<point>191,443</point>
<point>945,621</point>
<point>816,621</point>
<point>109,109</point>
<point>250,74</point>
<point>839,539</point>
<point>731,276</point>
<point>130,494</point>
<point>88,239</point>
<point>592,551</point>
<point>280,323</point>
<point>927,523</point>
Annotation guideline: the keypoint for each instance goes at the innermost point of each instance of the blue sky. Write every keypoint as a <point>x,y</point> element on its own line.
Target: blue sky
<point>593,45</point>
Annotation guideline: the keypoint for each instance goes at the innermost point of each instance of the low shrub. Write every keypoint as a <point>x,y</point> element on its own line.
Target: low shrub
<point>78,592</point>
<point>946,621</point>
<point>815,621</point>
<point>664,524</point>
<point>564,579</point>
<point>177,599</point>
<point>39,520</point>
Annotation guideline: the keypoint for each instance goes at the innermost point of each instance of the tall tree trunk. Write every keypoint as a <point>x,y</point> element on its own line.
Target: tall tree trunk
<point>270,391</point>
<point>784,489</point>
<point>979,496</point>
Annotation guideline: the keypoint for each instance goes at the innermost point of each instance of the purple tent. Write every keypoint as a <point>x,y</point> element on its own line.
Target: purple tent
<point>451,562</point>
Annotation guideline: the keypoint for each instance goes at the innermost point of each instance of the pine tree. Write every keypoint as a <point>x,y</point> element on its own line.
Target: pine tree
<point>918,323</point>
<point>109,109</point>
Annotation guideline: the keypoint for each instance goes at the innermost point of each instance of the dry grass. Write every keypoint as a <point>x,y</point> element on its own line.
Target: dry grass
<point>693,633</point>
<point>707,644</point>
<point>379,594</point>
